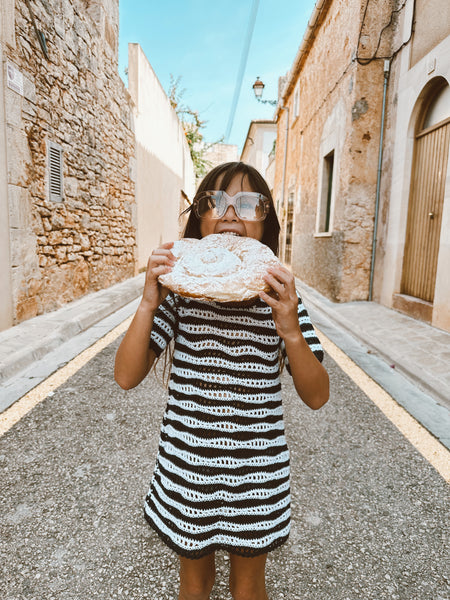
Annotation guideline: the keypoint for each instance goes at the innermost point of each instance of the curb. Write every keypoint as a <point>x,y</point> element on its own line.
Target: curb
<point>399,384</point>
<point>31,351</point>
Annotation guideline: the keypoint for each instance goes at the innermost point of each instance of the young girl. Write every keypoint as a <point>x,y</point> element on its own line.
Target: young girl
<point>221,479</point>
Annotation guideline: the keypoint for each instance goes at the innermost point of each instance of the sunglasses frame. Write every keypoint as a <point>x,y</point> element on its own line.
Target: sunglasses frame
<point>232,201</point>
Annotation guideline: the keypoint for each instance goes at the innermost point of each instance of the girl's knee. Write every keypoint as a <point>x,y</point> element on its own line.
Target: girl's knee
<point>242,591</point>
<point>196,578</point>
<point>247,578</point>
<point>252,588</point>
<point>196,590</point>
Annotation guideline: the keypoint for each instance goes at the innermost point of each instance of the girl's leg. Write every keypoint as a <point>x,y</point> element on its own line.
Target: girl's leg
<point>197,577</point>
<point>248,577</point>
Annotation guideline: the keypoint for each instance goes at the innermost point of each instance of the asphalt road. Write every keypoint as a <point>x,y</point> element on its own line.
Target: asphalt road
<point>370,515</point>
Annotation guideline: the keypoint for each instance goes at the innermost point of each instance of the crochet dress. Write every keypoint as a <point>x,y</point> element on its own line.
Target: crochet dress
<point>221,479</point>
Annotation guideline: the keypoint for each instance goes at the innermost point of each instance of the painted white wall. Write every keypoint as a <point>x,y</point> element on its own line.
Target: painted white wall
<point>163,164</point>
<point>411,84</point>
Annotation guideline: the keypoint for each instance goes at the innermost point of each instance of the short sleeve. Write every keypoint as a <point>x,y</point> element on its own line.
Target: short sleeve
<point>308,332</point>
<point>164,325</point>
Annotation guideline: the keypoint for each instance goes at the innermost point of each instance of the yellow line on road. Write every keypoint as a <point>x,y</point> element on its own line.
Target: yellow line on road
<point>435,453</point>
<point>20,408</point>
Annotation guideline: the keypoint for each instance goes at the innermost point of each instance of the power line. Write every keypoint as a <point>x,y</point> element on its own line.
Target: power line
<point>240,76</point>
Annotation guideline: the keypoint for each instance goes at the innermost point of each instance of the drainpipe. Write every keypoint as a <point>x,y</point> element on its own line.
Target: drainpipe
<point>387,65</point>
<point>283,185</point>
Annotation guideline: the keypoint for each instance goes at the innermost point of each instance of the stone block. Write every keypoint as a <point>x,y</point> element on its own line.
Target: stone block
<point>23,248</point>
<point>55,238</point>
<point>26,308</point>
<point>29,90</point>
<point>19,207</point>
<point>13,107</point>
<point>58,221</point>
<point>19,157</point>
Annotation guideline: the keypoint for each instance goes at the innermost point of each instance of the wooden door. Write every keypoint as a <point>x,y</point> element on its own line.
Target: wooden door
<point>426,202</point>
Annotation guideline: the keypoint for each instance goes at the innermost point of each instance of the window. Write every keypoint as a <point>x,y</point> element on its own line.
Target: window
<point>289,229</point>
<point>55,172</point>
<point>297,101</point>
<point>327,193</point>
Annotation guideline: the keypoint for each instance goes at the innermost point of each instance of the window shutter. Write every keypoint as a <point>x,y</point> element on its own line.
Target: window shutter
<point>55,172</point>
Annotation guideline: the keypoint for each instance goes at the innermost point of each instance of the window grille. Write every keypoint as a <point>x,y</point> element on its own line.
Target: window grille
<point>55,172</point>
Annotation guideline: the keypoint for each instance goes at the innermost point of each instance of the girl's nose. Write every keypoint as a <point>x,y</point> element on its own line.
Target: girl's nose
<point>230,214</point>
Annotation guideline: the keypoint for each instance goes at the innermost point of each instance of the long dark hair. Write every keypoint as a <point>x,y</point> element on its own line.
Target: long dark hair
<point>258,184</point>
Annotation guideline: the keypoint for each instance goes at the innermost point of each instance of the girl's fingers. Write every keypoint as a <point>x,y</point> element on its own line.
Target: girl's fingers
<point>161,259</point>
<point>161,253</point>
<point>283,275</point>
<point>167,245</point>
<point>276,285</point>
<point>160,270</point>
<point>270,300</point>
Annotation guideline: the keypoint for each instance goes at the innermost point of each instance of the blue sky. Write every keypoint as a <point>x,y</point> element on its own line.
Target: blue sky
<point>202,41</point>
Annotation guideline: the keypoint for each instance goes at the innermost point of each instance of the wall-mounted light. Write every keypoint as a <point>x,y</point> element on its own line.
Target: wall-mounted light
<point>258,88</point>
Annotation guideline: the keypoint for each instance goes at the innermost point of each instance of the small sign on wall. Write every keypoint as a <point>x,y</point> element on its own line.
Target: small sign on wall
<point>14,79</point>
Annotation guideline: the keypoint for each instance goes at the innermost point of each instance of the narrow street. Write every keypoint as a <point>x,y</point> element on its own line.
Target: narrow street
<point>370,514</point>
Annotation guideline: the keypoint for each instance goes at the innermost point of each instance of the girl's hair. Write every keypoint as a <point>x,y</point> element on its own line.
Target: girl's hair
<point>227,172</point>
<point>192,230</point>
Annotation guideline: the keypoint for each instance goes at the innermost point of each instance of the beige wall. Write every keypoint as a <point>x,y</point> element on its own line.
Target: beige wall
<point>409,92</point>
<point>164,165</point>
<point>7,36</point>
<point>432,25</point>
<point>258,145</point>
<point>6,308</point>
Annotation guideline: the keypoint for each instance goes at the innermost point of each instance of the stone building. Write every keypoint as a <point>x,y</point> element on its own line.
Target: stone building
<point>67,165</point>
<point>219,153</point>
<point>331,182</point>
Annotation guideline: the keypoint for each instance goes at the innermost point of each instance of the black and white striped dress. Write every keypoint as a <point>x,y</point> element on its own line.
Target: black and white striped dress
<point>221,479</point>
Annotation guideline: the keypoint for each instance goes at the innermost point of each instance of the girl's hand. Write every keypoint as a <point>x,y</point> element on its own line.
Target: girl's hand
<point>284,302</point>
<point>161,261</point>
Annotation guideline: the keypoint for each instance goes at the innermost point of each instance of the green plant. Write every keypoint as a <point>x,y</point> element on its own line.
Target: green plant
<point>192,125</point>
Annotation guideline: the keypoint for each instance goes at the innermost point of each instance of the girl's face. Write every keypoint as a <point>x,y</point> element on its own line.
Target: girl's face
<point>230,221</point>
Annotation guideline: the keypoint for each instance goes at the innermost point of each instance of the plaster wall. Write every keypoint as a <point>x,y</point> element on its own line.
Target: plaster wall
<point>6,308</point>
<point>432,25</point>
<point>258,145</point>
<point>164,166</point>
<point>411,92</point>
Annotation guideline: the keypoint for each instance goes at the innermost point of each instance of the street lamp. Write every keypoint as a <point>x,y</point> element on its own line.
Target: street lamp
<point>258,88</point>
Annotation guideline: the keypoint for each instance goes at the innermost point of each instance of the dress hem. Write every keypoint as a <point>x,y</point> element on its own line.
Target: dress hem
<point>196,554</point>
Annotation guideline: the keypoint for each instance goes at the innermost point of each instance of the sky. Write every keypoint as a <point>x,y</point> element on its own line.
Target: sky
<point>202,42</point>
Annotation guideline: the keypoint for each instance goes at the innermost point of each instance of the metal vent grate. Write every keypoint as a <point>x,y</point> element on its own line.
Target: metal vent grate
<point>55,170</point>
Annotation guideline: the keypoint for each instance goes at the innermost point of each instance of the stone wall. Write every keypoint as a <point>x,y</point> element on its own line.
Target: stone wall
<point>75,99</point>
<point>340,112</point>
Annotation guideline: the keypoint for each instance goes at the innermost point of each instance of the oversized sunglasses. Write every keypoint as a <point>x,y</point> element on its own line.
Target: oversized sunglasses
<point>249,206</point>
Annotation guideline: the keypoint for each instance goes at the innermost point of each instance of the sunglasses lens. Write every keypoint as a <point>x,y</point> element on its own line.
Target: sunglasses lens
<point>210,205</point>
<point>248,207</point>
<point>251,208</point>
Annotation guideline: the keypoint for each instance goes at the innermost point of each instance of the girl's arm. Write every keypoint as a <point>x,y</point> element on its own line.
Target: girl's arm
<point>134,358</point>
<point>310,377</point>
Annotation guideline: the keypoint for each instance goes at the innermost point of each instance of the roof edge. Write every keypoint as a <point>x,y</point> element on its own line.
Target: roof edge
<point>318,14</point>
